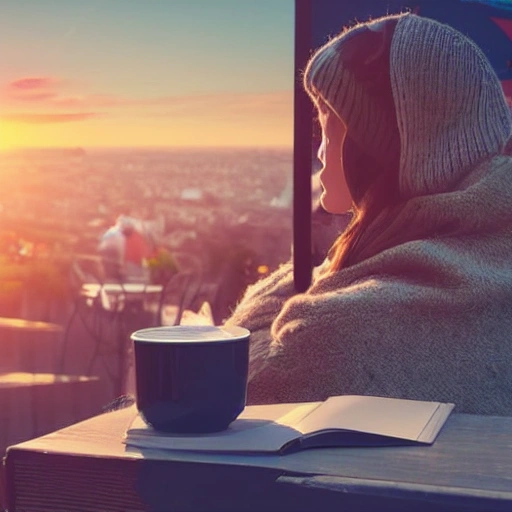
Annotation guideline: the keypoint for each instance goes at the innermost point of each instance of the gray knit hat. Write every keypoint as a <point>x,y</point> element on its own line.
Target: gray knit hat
<point>450,105</point>
<point>448,102</point>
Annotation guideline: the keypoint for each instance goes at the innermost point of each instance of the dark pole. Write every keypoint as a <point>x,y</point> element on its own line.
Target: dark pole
<point>302,148</point>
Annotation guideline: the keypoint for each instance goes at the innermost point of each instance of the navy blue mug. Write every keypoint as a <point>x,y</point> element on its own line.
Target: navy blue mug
<point>191,379</point>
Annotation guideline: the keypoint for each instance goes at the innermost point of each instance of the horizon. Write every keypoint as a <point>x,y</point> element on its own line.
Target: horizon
<point>146,148</point>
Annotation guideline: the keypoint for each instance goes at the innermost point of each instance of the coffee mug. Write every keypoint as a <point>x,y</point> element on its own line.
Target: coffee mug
<point>191,379</point>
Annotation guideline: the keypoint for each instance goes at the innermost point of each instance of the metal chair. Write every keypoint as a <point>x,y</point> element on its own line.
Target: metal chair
<point>108,311</point>
<point>179,294</point>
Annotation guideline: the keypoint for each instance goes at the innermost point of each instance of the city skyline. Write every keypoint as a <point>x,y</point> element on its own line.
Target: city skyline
<point>126,73</point>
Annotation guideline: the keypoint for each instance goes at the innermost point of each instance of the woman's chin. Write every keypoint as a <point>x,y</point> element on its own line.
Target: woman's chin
<point>334,207</point>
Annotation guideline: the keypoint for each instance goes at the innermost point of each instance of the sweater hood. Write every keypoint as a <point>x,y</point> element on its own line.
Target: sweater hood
<point>450,106</point>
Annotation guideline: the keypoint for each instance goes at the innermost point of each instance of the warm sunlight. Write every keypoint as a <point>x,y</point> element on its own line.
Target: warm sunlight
<point>10,137</point>
<point>216,120</point>
<point>135,94</point>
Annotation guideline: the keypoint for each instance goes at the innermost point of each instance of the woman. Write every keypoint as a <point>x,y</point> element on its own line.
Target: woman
<point>415,298</point>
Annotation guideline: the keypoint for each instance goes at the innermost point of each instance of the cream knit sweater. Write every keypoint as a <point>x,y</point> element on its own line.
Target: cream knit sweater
<point>427,319</point>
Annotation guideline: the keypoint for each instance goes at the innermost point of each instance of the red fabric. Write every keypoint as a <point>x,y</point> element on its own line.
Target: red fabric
<point>136,248</point>
<point>505,24</point>
<point>507,87</point>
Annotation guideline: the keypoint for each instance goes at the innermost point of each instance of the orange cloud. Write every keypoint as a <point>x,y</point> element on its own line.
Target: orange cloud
<point>28,118</point>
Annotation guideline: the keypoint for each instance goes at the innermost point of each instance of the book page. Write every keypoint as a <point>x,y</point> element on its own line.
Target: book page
<point>392,417</point>
<point>274,428</point>
<point>258,429</point>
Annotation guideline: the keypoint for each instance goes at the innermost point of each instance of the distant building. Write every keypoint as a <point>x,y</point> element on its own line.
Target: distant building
<point>191,194</point>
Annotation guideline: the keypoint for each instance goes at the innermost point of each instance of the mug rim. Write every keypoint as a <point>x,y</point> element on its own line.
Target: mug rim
<point>237,333</point>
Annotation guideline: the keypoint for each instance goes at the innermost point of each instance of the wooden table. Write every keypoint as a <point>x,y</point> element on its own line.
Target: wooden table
<point>33,404</point>
<point>87,467</point>
<point>115,293</point>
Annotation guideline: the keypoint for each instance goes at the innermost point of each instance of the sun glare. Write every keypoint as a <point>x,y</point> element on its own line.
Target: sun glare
<point>9,138</point>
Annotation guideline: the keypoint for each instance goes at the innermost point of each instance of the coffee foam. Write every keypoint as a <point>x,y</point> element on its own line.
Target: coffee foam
<point>190,334</point>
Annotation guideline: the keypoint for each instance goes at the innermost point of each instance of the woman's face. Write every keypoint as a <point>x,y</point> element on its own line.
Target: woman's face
<point>335,197</point>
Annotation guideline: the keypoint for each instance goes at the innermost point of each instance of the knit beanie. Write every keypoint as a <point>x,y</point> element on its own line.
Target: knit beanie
<point>447,101</point>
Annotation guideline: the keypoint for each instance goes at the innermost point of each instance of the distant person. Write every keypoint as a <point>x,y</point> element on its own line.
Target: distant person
<point>123,249</point>
<point>137,250</point>
<point>111,249</point>
<point>415,297</point>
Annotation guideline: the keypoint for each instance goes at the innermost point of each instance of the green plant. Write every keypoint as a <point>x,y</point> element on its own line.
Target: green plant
<point>162,266</point>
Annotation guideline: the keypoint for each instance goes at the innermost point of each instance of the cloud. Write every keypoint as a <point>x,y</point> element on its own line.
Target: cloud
<point>40,89</point>
<point>47,92</point>
<point>49,99</point>
<point>31,96</point>
<point>31,83</point>
<point>29,118</point>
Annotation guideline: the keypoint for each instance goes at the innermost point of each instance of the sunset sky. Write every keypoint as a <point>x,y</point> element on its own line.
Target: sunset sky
<point>146,73</point>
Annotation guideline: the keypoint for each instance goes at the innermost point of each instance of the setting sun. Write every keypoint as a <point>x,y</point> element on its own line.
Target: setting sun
<point>9,136</point>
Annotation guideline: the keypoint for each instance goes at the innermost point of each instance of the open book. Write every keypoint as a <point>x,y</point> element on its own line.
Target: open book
<point>284,428</point>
